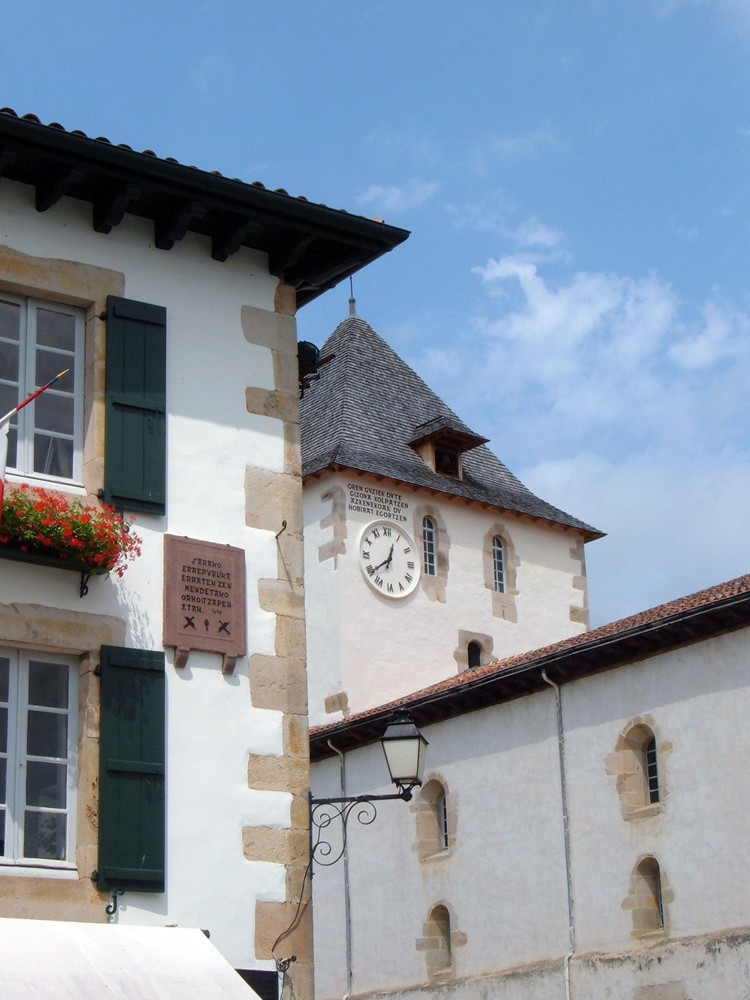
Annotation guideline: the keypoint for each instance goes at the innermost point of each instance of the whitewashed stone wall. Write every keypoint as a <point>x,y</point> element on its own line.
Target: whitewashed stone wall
<point>365,649</point>
<point>503,879</point>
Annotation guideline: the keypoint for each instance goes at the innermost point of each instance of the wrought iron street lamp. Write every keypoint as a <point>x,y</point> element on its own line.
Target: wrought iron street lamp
<point>404,749</point>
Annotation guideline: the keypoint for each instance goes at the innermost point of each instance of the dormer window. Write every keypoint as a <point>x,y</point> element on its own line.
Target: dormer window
<point>441,442</point>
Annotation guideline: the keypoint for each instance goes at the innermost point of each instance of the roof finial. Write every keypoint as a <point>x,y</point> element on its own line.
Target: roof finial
<point>352,300</point>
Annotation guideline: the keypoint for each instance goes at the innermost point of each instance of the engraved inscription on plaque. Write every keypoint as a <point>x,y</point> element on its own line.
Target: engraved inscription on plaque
<point>204,599</point>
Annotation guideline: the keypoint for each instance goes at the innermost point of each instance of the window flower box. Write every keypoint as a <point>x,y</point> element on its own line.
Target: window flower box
<point>45,528</point>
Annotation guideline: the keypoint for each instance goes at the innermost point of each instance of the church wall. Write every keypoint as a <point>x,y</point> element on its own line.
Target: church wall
<point>230,345</point>
<point>366,649</point>
<point>502,877</point>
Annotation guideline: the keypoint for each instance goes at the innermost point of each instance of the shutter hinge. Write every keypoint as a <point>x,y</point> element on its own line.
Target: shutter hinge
<point>98,670</point>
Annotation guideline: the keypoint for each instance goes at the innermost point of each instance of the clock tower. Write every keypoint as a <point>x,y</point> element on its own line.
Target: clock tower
<point>424,555</point>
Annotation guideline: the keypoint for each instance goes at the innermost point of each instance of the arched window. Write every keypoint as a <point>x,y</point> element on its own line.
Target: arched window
<point>432,819</point>
<point>474,652</point>
<point>636,764</point>
<point>438,933</point>
<point>647,897</point>
<point>498,565</point>
<point>429,546</point>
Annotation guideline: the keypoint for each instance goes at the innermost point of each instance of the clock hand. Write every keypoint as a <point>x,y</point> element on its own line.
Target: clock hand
<point>385,562</point>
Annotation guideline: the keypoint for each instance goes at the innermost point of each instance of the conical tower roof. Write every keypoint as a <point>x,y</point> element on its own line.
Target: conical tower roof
<point>369,408</point>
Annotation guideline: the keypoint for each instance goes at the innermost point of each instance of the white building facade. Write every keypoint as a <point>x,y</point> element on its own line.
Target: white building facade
<point>581,831</point>
<point>170,294</point>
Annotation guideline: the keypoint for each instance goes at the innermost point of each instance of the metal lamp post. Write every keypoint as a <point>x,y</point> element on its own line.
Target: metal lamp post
<point>404,749</point>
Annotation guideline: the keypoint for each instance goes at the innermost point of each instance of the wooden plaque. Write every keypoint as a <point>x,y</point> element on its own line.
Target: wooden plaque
<point>204,599</point>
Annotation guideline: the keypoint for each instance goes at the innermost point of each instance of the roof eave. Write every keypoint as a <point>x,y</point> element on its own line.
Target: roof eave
<point>310,246</point>
<point>580,658</point>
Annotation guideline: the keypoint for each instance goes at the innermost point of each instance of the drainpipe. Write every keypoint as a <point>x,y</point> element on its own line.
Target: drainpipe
<point>566,833</point>
<point>347,896</point>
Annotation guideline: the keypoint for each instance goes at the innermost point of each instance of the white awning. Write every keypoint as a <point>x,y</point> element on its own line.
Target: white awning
<point>60,960</point>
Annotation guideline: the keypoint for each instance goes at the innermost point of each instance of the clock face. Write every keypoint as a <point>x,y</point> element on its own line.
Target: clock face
<point>388,559</point>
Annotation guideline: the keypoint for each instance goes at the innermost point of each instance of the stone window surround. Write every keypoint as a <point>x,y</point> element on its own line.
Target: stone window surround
<point>433,587</point>
<point>647,898</point>
<point>503,603</point>
<point>428,834</point>
<point>461,652</point>
<point>439,941</point>
<point>628,763</point>
<point>86,287</point>
<point>78,634</point>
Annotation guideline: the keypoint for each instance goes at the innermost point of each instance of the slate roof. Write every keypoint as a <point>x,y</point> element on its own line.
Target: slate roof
<point>311,247</point>
<point>366,407</point>
<point>702,615</point>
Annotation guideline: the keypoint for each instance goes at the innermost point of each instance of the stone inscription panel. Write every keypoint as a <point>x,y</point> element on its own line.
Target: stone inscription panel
<point>204,598</point>
<point>376,502</point>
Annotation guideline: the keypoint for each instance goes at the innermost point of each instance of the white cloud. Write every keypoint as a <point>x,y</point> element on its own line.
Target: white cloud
<point>666,520</point>
<point>723,334</point>
<point>535,233</point>
<point>512,149</point>
<point>391,198</point>
<point>617,401</point>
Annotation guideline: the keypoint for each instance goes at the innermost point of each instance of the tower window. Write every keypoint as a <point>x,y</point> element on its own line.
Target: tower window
<point>429,546</point>
<point>498,565</point>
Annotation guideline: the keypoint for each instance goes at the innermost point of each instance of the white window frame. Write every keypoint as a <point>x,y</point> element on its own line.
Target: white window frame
<point>17,758</point>
<point>498,564</point>
<point>24,421</point>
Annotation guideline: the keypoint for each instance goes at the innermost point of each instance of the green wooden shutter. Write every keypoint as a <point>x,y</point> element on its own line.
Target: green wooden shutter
<point>135,453</point>
<point>131,770</point>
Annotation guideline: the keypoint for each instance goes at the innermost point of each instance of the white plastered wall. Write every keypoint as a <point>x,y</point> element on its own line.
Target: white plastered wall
<point>375,649</point>
<point>211,724</point>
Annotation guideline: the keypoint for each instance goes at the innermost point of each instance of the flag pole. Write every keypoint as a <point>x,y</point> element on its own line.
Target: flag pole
<point>31,397</point>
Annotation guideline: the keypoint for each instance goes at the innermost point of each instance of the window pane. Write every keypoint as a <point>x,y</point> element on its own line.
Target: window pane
<point>46,784</point>
<point>49,364</point>
<point>48,684</point>
<point>44,836</point>
<point>54,329</point>
<point>10,320</point>
<point>4,674</point>
<point>54,412</point>
<point>3,780</point>
<point>47,735</point>
<point>3,730</point>
<point>9,365</point>
<point>53,456</point>
<point>2,832</point>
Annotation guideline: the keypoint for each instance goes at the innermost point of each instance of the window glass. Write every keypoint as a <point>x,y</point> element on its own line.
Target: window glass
<point>429,546</point>
<point>47,734</point>
<point>48,684</point>
<point>44,836</point>
<point>498,564</point>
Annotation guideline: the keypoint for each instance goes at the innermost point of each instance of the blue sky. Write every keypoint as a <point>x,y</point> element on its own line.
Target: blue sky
<point>576,178</point>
